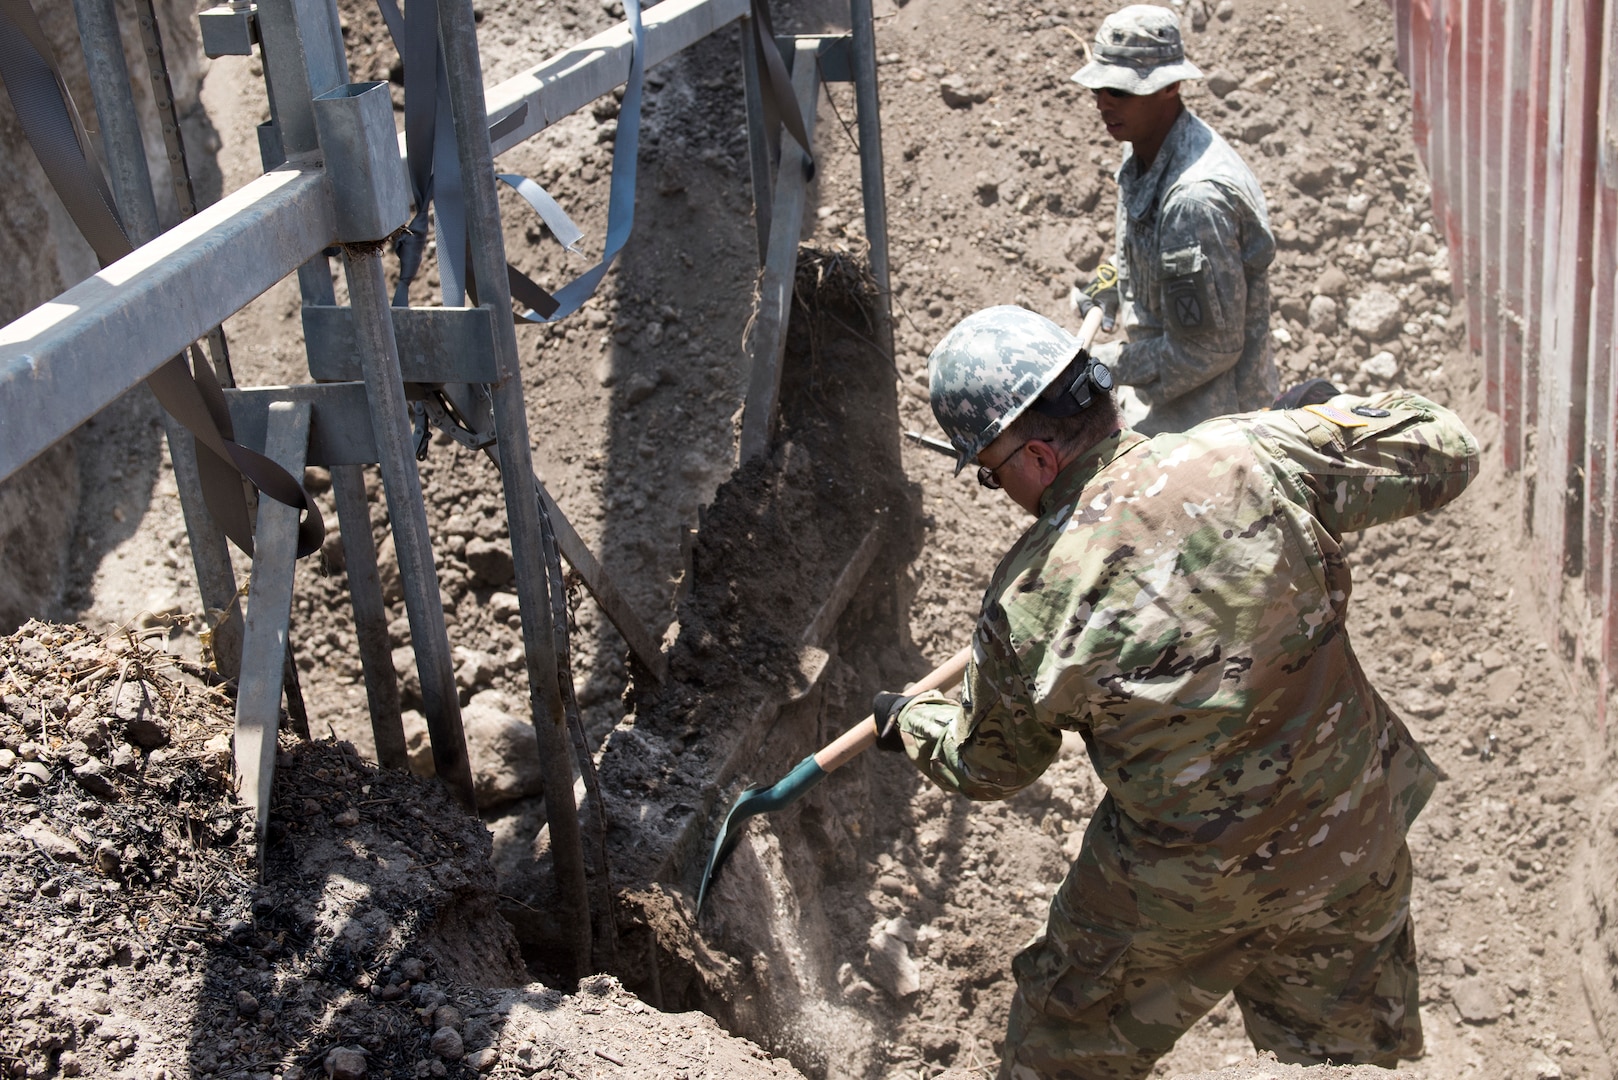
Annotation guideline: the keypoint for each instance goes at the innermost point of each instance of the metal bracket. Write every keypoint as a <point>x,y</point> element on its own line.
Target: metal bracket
<point>229,29</point>
<point>834,54</point>
<point>436,345</point>
<point>370,189</point>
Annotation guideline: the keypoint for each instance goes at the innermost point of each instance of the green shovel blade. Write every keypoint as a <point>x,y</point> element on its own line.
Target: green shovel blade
<point>755,800</point>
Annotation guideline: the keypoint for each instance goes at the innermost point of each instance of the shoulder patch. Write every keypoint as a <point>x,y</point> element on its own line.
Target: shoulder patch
<point>1336,416</point>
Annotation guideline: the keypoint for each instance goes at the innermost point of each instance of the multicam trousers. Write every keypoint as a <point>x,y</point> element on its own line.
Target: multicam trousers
<point>1336,985</point>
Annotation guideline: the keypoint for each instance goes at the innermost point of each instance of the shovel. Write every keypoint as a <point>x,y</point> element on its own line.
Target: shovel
<point>812,770</point>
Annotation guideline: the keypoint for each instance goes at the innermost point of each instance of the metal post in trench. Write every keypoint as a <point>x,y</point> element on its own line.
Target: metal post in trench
<point>867,110</point>
<point>407,515</point>
<point>488,265</point>
<point>131,179</point>
<point>364,583</point>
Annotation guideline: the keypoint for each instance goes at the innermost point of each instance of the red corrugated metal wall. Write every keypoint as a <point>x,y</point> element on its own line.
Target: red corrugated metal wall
<point>1516,114</point>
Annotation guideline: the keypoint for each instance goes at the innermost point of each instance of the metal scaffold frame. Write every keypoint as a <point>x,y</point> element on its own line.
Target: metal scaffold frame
<point>336,187</point>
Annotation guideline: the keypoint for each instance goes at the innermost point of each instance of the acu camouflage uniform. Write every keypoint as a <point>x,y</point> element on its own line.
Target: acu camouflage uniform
<point>1181,602</point>
<point>1194,250</point>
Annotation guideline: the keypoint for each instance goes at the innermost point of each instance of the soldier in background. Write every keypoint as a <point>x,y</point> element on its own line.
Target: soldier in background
<point>1181,603</point>
<point>1194,241</point>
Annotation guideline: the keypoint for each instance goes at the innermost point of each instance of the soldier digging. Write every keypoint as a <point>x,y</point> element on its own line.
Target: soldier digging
<point>1181,602</point>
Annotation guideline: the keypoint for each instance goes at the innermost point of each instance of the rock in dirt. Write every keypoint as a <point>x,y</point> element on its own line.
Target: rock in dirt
<point>346,1063</point>
<point>447,1044</point>
<point>887,955</point>
<point>1375,315</point>
<point>1476,1001</point>
<point>503,748</point>
<point>1540,1067</point>
<point>51,842</point>
<point>958,93</point>
<point>1220,83</point>
<point>1331,282</point>
<point>1312,176</point>
<point>1323,314</point>
<point>490,562</point>
<point>146,733</point>
<point>1381,365</point>
<point>95,777</point>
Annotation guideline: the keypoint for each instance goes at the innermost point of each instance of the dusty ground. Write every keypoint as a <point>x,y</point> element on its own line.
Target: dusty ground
<point>999,190</point>
<point>141,940</point>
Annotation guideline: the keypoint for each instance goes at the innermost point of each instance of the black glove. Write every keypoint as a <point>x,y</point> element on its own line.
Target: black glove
<point>1103,291</point>
<point>885,709</point>
<point>1313,392</point>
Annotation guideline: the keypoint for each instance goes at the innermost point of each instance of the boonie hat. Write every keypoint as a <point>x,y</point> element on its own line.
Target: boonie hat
<point>1137,50</point>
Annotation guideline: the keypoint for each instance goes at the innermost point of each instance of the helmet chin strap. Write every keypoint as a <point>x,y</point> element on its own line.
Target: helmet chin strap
<point>1075,390</point>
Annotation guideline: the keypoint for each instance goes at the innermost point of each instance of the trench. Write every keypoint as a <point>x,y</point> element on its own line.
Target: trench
<point>792,616</point>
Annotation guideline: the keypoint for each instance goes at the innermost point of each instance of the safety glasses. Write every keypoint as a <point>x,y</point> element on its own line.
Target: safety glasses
<point>986,475</point>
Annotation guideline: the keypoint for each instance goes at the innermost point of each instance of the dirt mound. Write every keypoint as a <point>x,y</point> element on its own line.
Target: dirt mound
<point>142,939</point>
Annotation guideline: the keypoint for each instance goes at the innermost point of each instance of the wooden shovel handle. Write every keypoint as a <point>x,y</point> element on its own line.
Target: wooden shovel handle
<point>862,736</point>
<point>1088,328</point>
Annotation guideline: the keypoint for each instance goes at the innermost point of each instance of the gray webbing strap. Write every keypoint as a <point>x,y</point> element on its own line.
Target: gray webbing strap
<point>779,102</point>
<point>51,123</point>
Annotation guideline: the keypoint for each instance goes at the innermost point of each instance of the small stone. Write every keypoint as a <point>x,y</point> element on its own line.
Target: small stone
<point>446,1043</point>
<point>108,861</point>
<point>95,777</point>
<point>7,760</point>
<point>1475,1000</point>
<point>490,562</point>
<point>1224,10</point>
<point>1541,1067</point>
<point>1375,315</point>
<point>347,818</point>
<point>957,93</point>
<point>1221,83</point>
<point>1292,308</point>
<point>503,750</point>
<point>346,1063</point>
<point>413,969</point>
<point>887,955</point>
<point>504,606</point>
<point>447,1016</point>
<point>89,730</point>
<point>1260,83</point>
<point>146,733</point>
<point>51,842</point>
<point>1255,130</point>
<point>1312,176</point>
<point>1322,315</point>
<point>1331,282</point>
<point>69,1063</point>
<point>483,1060</point>
<point>1381,366</point>
<point>246,1003</point>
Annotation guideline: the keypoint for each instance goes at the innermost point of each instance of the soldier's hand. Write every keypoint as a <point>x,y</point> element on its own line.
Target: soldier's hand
<point>1102,290</point>
<point>1313,392</point>
<point>885,709</point>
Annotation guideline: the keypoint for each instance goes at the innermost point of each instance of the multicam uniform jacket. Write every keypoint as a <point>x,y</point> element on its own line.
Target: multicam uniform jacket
<point>1194,250</point>
<point>1181,602</point>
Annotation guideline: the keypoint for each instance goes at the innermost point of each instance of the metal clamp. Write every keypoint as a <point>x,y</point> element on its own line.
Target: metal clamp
<point>229,29</point>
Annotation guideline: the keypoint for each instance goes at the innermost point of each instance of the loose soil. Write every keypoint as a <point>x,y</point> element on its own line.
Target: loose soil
<point>999,190</point>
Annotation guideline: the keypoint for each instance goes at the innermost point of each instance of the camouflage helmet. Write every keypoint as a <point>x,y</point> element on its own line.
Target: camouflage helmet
<point>989,369</point>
